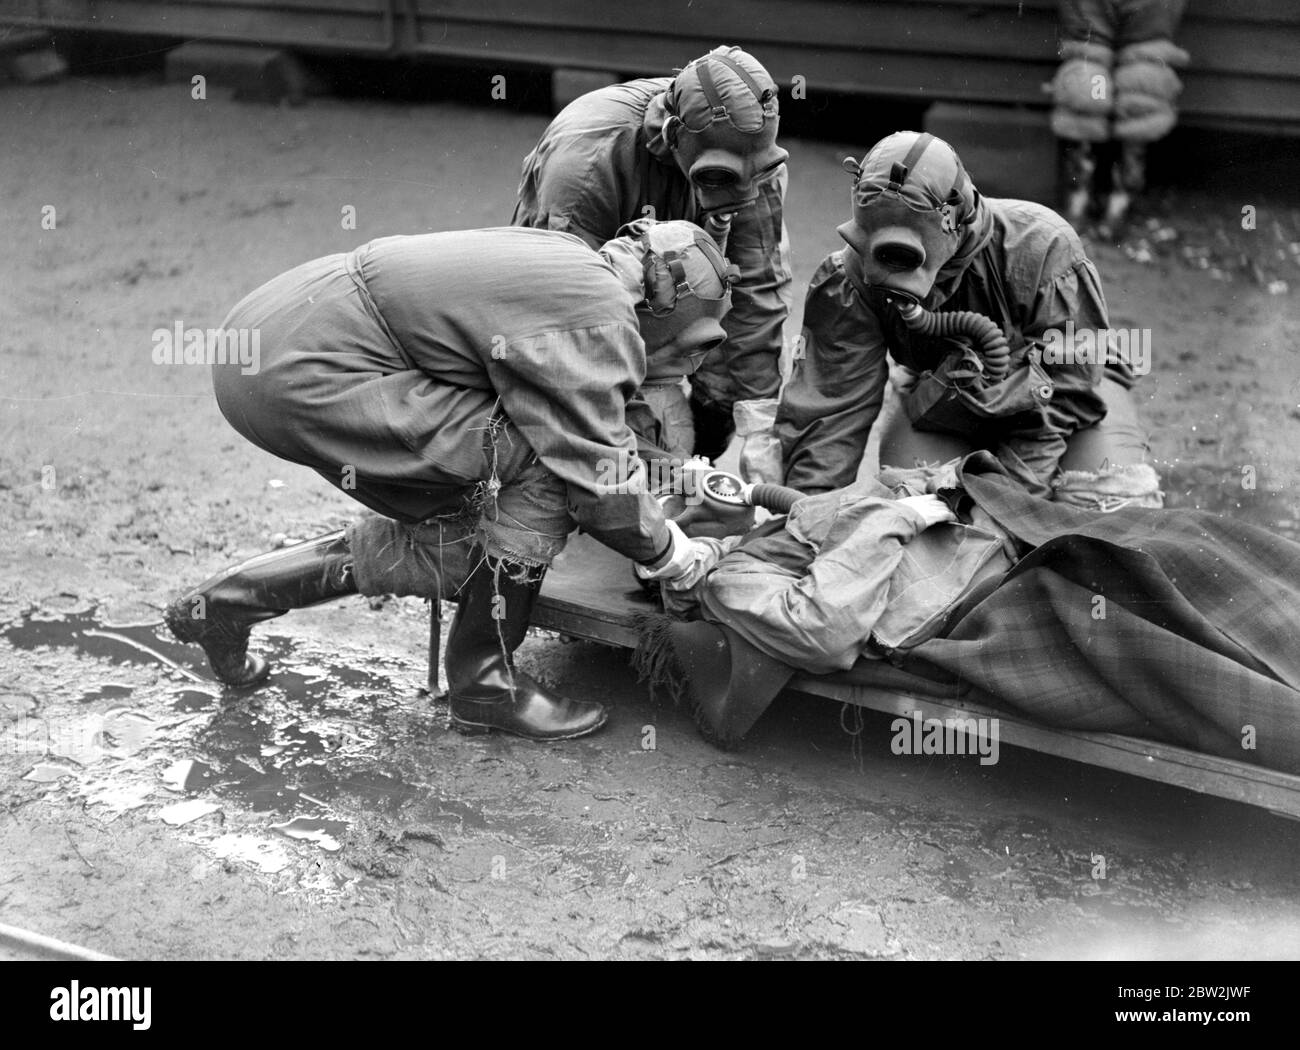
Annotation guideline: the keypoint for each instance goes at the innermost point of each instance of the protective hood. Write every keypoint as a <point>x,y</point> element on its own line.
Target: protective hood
<point>683,286</point>
<point>720,117</point>
<point>918,220</point>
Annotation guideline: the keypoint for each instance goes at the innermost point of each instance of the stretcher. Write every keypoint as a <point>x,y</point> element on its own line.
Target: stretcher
<point>591,593</point>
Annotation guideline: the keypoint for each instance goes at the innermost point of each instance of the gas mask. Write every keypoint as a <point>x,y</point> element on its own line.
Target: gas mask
<point>910,215</point>
<point>686,286</point>
<point>721,128</point>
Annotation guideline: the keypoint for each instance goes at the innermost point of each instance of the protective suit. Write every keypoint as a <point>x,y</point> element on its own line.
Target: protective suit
<point>702,147</point>
<point>470,387</point>
<point>922,233</point>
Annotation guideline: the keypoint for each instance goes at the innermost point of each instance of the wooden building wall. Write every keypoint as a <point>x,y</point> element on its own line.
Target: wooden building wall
<point>1245,54</point>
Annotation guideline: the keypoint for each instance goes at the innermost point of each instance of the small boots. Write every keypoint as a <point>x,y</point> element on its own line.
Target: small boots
<point>1127,181</point>
<point>219,612</point>
<point>1080,167</point>
<point>485,690</point>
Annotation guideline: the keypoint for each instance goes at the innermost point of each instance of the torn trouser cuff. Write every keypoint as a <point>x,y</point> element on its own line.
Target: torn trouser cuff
<point>1109,489</point>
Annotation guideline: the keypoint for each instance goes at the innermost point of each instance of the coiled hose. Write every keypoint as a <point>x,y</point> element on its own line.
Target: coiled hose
<point>990,344</point>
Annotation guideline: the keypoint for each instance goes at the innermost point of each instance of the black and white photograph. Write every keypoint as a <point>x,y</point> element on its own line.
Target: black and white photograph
<point>718,481</point>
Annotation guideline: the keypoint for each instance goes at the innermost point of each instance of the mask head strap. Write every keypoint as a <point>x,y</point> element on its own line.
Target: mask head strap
<point>900,171</point>
<point>766,97</point>
<point>728,273</point>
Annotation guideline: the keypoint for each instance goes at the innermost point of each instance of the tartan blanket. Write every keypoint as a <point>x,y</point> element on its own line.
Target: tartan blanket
<point>1175,625</point>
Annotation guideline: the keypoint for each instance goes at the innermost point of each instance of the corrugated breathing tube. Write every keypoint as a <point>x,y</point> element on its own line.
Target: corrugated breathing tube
<point>990,343</point>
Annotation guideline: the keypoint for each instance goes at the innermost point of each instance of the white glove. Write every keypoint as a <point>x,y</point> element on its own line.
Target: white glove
<point>931,508</point>
<point>687,564</point>
<point>760,451</point>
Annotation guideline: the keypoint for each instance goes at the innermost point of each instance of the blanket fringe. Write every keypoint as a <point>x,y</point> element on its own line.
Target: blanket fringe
<point>654,658</point>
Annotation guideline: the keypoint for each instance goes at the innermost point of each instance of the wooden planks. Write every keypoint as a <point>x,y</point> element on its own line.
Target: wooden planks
<point>590,593</point>
<point>991,51</point>
<point>321,25</point>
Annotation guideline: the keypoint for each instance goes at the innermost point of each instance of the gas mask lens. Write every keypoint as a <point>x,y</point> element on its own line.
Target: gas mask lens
<point>898,257</point>
<point>715,178</point>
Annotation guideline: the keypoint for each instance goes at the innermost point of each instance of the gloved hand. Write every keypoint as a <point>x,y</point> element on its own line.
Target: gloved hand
<point>760,452</point>
<point>687,563</point>
<point>934,510</point>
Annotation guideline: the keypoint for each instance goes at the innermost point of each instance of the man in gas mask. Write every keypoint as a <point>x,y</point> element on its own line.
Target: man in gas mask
<point>470,388</point>
<point>922,246</point>
<point>699,146</point>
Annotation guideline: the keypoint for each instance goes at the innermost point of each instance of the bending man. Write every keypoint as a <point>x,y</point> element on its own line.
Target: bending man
<point>700,146</point>
<point>469,387</point>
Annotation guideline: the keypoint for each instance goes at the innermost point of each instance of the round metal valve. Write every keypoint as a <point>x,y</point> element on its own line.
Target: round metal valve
<point>726,488</point>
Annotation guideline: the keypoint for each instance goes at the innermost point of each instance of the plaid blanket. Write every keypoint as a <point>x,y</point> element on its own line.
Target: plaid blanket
<point>1178,626</point>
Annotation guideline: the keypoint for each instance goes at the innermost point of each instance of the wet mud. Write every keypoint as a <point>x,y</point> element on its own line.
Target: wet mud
<point>147,812</point>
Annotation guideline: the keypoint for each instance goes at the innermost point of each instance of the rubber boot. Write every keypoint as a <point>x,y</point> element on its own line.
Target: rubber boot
<point>1080,167</point>
<point>1127,181</point>
<point>485,689</point>
<point>219,613</point>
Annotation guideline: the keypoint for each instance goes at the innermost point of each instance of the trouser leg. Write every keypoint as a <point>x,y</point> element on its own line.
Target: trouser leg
<point>1080,170</point>
<point>1106,466</point>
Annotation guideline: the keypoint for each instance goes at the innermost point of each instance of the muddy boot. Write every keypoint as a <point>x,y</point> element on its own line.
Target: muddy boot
<point>1080,167</point>
<point>219,612</point>
<point>1127,181</point>
<point>485,690</point>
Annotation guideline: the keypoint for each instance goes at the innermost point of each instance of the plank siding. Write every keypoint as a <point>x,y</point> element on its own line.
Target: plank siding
<point>1246,55</point>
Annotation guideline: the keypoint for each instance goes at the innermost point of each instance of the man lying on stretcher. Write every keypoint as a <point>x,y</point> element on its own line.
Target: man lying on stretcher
<point>1174,625</point>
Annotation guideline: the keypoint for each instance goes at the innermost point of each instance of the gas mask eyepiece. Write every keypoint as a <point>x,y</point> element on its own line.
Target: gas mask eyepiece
<point>899,257</point>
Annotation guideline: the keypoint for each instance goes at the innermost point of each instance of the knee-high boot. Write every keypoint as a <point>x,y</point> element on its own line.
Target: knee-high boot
<point>219,613</point>
<point>485,689</point>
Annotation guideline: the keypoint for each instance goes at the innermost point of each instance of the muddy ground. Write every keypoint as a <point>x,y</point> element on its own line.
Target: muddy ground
<point>334,815</point>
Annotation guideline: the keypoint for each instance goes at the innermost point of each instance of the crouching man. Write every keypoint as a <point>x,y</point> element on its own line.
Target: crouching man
<point>469,387</point>
<point>931,265</point>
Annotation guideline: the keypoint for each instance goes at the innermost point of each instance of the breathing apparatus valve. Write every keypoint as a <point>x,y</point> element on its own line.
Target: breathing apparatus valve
<point>723,490</point>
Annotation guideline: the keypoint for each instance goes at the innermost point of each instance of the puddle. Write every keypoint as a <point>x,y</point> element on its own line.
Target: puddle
<point>268,857</point>
<point>194,700</point>
<point>260,778</point>
<point>106,691</point>
<point>140,644</point>
<point>180,813</point>
<point>16,706</point>
<point>323,833</point>
<point>49,772</point>
<point>186,775</point>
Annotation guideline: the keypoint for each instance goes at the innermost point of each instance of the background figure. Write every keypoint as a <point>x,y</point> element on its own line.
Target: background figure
<point>1116,83</point>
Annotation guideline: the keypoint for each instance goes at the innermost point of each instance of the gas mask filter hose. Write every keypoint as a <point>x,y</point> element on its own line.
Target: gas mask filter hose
<point>990,343</point>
